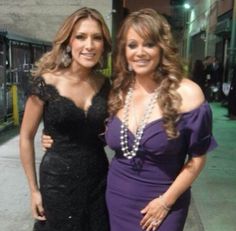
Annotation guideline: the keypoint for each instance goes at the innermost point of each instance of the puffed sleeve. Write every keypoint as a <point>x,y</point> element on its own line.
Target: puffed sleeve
<point>37,86</point>
<point>199,131</point>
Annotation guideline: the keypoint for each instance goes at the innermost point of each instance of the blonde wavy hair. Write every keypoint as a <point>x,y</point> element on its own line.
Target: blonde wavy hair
<point>52,60</point>
<point>153,27</point>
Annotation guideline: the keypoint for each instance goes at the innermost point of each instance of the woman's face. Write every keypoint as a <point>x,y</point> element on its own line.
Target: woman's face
<point>142,55</point>
<point>87,44</point>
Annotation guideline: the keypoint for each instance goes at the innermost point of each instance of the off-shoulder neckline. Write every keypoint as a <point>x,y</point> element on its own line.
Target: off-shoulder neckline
<point>204,103</point>
<point>71,100</point>
<point>158,120</point>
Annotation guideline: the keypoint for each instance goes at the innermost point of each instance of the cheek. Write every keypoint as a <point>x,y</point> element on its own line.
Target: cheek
<point>157,57</point>
<point>100,47</point>
<point>75,46</point>
<point>128,54</point>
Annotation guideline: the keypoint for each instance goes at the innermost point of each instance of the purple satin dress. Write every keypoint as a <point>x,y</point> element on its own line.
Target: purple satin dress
<point>132,184</point>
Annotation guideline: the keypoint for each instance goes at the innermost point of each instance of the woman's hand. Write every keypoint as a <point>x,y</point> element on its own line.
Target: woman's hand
<point>46,142</point>
<point>154,213</point>
<point>37,206</point>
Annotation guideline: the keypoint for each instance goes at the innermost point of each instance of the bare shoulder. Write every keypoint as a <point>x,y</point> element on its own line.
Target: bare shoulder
<point>191,94</point>
<point>51,78</point>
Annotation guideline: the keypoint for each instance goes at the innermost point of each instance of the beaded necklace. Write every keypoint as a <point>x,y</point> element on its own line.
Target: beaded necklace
<point>124,125</point>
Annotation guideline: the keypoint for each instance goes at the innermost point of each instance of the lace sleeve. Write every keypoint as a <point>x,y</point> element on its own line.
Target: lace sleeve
<point>37,86</point>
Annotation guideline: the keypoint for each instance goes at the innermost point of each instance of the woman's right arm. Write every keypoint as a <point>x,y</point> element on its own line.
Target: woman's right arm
<point>31,119</point>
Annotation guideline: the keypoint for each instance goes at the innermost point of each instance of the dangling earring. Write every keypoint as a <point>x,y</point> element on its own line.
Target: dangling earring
<point>66,56</point>
<point>68,49</point>
<point>130,68</point>
<point>160,69</point>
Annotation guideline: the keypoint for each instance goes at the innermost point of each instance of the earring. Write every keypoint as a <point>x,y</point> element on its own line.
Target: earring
<point>68,49</point>
<point>160,69</point>
<point>66,56</point>
<point>130,68</point>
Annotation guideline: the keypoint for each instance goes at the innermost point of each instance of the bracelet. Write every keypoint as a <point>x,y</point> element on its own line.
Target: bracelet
<point>163,204</point>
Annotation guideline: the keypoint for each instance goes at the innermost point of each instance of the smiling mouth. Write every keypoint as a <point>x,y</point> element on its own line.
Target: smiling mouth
<point>142,62</point>
<point>88,55</point>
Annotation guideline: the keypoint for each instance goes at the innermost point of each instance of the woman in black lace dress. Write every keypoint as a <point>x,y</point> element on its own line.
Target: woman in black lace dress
<point>71,97</point>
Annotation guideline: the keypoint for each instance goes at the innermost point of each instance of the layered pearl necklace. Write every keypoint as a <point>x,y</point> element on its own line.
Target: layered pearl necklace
<point>124,125</point>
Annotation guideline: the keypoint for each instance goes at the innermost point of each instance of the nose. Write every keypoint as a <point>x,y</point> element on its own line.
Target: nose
<point>89,43</point>
<point>140,51</point>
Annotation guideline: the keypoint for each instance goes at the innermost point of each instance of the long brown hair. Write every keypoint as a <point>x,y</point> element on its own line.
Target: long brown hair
<point>52,60</point>
<point>151,26</point>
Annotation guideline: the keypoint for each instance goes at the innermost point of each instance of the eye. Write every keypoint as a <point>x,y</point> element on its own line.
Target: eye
<point>150,44</point>
<point>132,45</point>
<point>98,37</point>
<point>80,37</point>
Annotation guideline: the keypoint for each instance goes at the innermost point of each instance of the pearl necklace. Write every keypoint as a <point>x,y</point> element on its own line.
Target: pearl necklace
<point>124,125</point>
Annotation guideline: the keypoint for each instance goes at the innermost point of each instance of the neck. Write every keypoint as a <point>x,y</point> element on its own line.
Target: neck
<point>146,84</point>
<point>78,73</point>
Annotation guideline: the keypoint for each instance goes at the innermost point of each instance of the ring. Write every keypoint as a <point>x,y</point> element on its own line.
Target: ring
<point>155,222</point>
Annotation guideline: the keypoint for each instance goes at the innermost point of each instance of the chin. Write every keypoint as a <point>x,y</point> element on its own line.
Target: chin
<point>88,65</point>
<point>143,72</point>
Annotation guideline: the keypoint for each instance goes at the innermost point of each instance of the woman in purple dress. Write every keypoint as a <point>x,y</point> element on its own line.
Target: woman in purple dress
<point>160,129</point>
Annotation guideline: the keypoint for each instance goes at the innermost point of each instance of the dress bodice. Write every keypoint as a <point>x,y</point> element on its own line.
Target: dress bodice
<point>133,183</point>
<point>67,123</point>
<point>73,171</point>
<point>195,129</point>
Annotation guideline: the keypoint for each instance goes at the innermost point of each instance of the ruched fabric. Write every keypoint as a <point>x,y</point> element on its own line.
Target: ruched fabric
<point>132,184</point>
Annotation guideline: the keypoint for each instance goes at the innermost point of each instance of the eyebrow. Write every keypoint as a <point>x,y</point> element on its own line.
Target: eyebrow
<point>84,33</point>
<point>132,40</point>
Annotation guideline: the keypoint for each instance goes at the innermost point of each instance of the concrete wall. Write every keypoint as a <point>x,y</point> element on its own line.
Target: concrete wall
<point>40,19</point>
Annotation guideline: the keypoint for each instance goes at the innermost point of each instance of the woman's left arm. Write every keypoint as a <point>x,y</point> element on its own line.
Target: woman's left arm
<point>192,97</point>
<point>184,180</point>
<point>157,209</point>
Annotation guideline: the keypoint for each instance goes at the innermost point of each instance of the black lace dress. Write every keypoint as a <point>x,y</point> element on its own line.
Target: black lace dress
<point>73,171</point>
